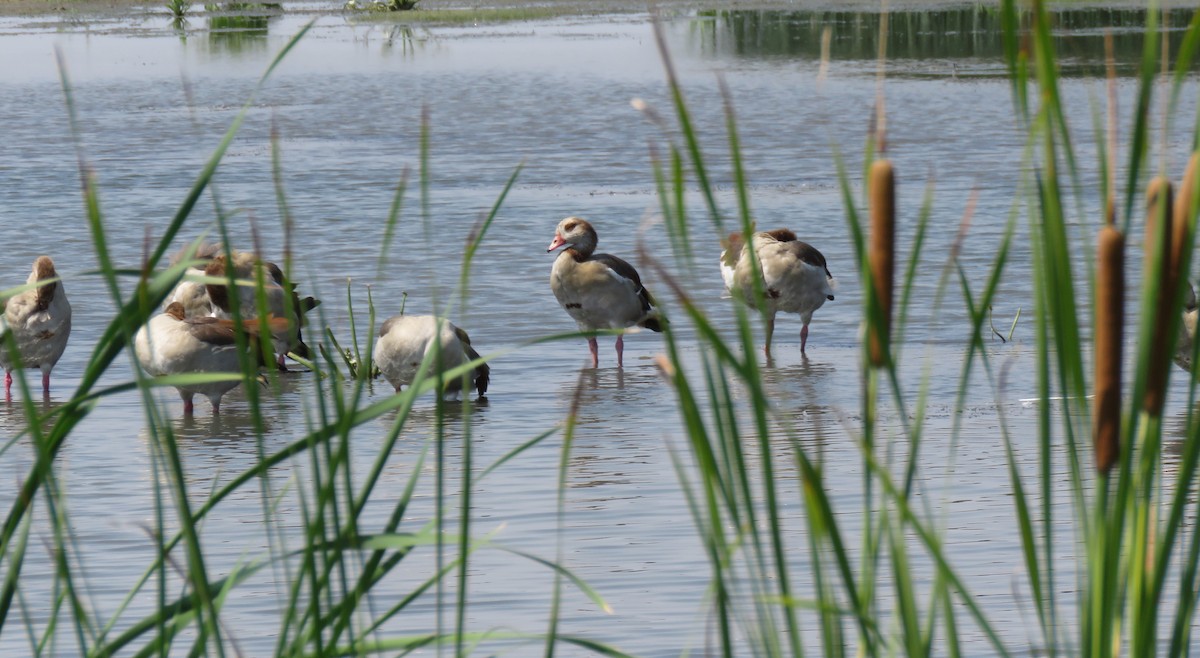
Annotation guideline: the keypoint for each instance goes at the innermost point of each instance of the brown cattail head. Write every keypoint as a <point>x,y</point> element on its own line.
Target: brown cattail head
<point>1183,217</point>
<point>881,255</point>
<point>1181,224</point>
<point>1159,231</point>
<point>1109,333</point>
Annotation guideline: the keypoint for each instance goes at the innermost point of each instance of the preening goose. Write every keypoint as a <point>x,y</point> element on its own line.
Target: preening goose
<point>795,277</point>
<point>201,299</point>
<point>174,344</point>
<point>40,322</point>
<point>213,299</point>
<point>598,291</point>
<point>404,340</point>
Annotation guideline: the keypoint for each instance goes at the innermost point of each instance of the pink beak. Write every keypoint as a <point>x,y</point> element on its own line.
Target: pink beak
<point>558,242</point>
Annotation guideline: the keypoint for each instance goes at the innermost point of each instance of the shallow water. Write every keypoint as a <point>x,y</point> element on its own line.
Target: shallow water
<point>555,96</point>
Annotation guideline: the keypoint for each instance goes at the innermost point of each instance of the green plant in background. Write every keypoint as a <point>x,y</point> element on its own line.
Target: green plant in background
<point>179,8</point>
<point>381,5</point>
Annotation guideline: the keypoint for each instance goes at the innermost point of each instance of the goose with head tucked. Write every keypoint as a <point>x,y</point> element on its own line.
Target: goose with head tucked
<point>174,344</point>
<point>598,291</point>
<point>404,342</point>
<point>191,292</point>
<point>795,277</point>
<point>40,321</point>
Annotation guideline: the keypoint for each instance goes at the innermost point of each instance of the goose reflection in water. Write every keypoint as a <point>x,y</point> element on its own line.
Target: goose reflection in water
<point>15,418</point>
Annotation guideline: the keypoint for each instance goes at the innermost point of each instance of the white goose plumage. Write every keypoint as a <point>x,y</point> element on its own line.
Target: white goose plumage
<point>795,277</point>
<point>40,322</point>
<point>405,340</point>
<point>173,344</point>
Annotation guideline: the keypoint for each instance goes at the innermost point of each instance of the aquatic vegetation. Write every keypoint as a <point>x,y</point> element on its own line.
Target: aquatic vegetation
<point>1132,574</point>
<point>381,5</point>
<point>179,8</point>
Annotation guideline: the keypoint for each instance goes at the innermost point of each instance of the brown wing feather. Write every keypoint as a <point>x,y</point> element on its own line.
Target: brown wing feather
<point>211,330</point>
<point>810,255</point>
<point>627,271</point>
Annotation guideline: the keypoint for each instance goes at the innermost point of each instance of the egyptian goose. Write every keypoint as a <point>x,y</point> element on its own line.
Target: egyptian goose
<point>599,291</point>
<point>795,277</point>
<point>277,291</point>
<point>201,299</point>
<point>404,340</point>
<point>174,344</point>
<point>191,291</point>
<point>40,322</point>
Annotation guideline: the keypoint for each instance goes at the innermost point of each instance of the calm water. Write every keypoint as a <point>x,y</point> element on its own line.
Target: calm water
<point>347,103</point>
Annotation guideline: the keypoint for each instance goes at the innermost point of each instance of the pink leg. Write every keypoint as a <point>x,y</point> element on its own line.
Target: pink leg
<point>8,384</point>
<point>803,338</point>
<point>216,403</point>
<point>188,406</point>
<point>620,351</point>
<point>281,364</point>
<point>770,332</point>
<point>595,348</point>
<point>46,382</point>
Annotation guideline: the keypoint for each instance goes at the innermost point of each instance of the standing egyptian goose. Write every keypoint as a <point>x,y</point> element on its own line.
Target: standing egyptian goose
<point>599,291</point>
<point>40,322</point>
<point>277,291</point>
<point>174,344</point>
<point>795,277</point>
<point>404,340</point>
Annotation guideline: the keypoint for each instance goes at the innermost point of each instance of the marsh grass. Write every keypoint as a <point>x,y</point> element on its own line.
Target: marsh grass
<point>1136,577</point>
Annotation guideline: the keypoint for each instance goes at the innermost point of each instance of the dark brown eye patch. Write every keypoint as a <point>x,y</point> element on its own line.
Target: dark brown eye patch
<point>570,226</point>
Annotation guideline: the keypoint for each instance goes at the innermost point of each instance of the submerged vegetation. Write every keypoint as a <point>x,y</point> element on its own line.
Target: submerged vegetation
<point>382,5</point>
<point>888,587</point>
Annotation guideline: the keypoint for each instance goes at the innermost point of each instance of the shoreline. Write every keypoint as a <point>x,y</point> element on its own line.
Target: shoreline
<point>116,9</point>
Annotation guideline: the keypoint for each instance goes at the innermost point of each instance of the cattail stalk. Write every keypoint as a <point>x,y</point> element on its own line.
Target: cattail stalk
<point>1110,329</point>
<point>881,190</point>
<point>1158,264</point>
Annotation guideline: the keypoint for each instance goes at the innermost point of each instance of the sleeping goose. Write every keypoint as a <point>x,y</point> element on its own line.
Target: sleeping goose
<point>598,291</point>
<point>404,340</point>
<point>191,292</point>
<point>40,322</point>
<point>173,344</point>
<point>795,277</point>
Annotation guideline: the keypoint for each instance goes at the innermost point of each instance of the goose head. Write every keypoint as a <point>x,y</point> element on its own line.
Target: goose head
<point>575,233</point>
